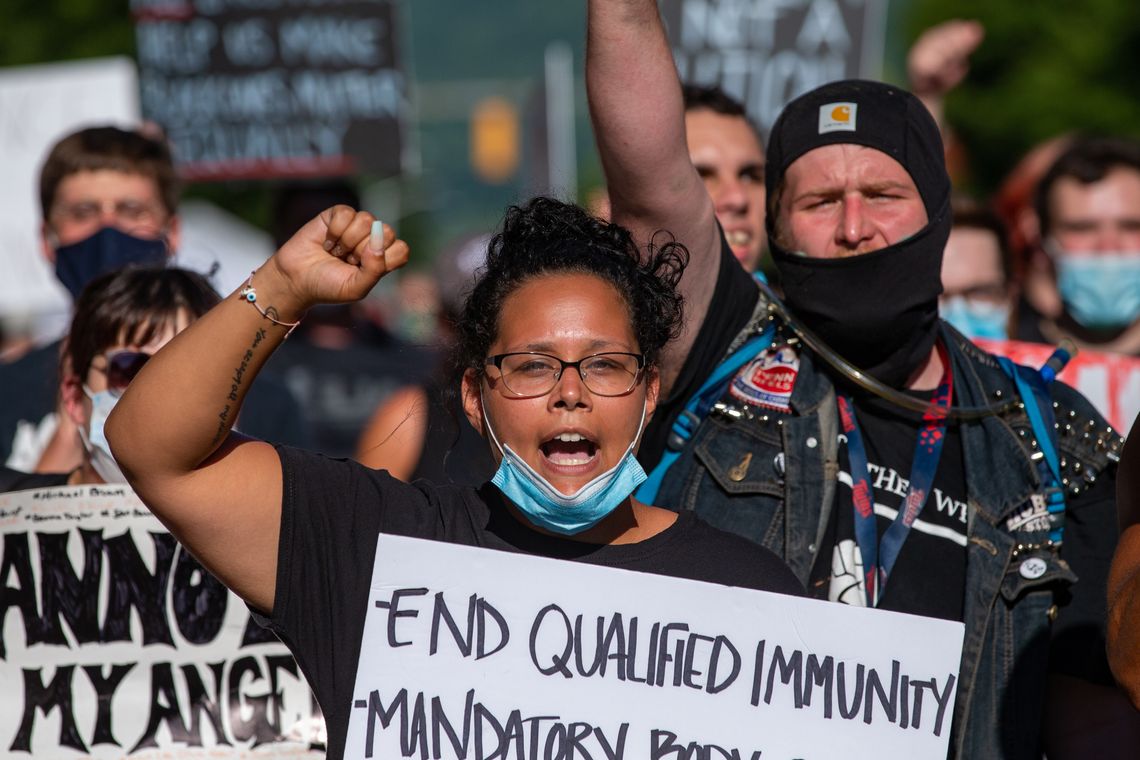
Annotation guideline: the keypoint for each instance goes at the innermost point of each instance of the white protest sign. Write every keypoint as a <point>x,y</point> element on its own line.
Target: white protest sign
<point>116,642</point>
<point>39,105</point>
<point>478,654</point>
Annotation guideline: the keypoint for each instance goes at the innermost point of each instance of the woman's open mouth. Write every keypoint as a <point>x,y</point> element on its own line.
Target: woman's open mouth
<point>569,450</point>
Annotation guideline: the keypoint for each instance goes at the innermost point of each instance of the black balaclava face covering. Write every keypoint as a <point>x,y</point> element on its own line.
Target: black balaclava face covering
<point>877,310</point>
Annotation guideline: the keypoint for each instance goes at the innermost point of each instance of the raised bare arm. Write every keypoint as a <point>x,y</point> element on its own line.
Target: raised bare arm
<point>218,492</point>
<point>639,123</point>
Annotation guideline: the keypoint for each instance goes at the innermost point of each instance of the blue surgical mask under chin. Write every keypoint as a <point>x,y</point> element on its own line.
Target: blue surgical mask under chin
<point>98,450</point>
<point>108,250</point>
<point>976,319</point>
<point>547,507</point>
<point>1100,290</point>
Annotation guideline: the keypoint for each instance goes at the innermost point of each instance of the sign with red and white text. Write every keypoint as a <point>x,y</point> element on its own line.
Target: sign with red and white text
<point>1111,382</point>
<point>115,642</point>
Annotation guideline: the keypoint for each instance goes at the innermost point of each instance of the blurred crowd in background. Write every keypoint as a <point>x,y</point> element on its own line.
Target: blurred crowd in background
<point>1045,249</point>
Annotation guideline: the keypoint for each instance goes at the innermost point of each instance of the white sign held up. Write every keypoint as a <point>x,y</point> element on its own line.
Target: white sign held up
<point>471,653</point>
<point>115,643</point>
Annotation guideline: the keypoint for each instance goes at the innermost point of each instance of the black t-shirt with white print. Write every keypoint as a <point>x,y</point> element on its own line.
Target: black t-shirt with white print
<point>930,573</point>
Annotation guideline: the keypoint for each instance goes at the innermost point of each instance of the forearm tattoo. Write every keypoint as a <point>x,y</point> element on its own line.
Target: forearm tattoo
<point>236,379</point>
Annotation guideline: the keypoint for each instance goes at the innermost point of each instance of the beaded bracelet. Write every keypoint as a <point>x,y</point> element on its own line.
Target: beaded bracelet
<point>249,294</point>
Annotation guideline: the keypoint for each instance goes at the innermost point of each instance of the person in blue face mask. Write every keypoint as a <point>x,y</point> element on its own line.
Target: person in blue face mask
<point>1088,290</point>
<point>109,199</point>
<point>978,291</point>
<point>558,348</point>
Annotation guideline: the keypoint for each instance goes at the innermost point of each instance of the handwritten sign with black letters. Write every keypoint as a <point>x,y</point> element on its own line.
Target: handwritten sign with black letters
<point>472,653</point>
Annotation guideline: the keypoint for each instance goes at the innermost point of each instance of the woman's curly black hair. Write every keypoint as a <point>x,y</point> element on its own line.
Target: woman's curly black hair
<point>545,237</point>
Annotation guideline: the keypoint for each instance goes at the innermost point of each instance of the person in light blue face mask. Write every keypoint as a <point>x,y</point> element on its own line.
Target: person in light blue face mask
<point>574,453</point>
<point>977,290</point>
<point>559,341</point>
<point>121,319</point>
<point>1087,288</point>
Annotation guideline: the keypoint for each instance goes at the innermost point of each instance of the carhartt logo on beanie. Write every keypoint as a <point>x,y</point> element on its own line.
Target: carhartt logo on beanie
<point>838,117</point>
<point>867,113</point>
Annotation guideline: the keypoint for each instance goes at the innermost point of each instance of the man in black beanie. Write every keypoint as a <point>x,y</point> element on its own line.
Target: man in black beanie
<point>887,459</point>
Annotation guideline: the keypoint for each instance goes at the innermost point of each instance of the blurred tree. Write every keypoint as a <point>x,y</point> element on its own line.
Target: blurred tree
<point>37,31</point>
<point>1044,68</point>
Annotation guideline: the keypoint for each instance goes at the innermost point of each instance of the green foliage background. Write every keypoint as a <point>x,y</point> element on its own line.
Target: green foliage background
<point>39,31</point>
<point>1045,67</point>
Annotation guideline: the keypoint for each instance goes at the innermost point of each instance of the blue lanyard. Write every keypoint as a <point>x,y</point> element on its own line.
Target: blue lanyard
<point>879,557</point>
<point>1033,387</point>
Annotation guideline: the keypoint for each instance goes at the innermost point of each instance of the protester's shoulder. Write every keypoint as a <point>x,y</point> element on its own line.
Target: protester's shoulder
<point>1071,404</point>
<point>348,484</point>
<point>1083,435</point>
<point>736,311</point>
<point>740,562</point>
<point>15,480</point>
<point>1092,445</point>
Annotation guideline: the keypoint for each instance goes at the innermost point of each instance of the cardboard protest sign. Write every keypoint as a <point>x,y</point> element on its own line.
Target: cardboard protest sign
<point>274,88</point>
<point>116,642</point>
<point>1110,381</point>
<point>473,653</point>
<point>767,52</point>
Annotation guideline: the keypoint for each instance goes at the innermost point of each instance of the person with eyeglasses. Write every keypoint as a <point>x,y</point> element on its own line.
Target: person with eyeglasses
<point>121,319</point>
<point>558,348</point>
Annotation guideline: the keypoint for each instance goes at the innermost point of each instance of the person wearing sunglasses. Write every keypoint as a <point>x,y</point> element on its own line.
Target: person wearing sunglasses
<point>558,348</point>
<point>121,319</point>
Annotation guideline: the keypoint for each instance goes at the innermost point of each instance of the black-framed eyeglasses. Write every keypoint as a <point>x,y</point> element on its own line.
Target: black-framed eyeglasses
<point>528,373</point>
<point>122,366</point>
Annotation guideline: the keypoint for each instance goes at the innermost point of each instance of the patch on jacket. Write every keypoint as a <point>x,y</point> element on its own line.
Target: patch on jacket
<point>1033,517</point>
<point>767,381</point>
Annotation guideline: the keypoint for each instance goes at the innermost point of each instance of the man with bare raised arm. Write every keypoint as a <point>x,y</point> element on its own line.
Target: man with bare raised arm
<point>888,460</point>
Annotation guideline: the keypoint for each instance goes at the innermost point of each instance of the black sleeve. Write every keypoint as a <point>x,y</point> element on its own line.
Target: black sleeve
<point>332,512</point>
<point>1091,533</point>
<point>733,301</point>
<point>14,480</point>
<point>1089,541</point>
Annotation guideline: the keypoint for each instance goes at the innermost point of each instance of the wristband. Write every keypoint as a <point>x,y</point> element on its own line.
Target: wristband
<point>249,294</point>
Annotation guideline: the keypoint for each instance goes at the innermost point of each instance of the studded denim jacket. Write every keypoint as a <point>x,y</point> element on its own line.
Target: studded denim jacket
<point>772,477</point>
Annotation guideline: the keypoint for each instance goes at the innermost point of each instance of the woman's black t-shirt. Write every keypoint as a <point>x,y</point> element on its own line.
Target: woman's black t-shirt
<point>333,511</point>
